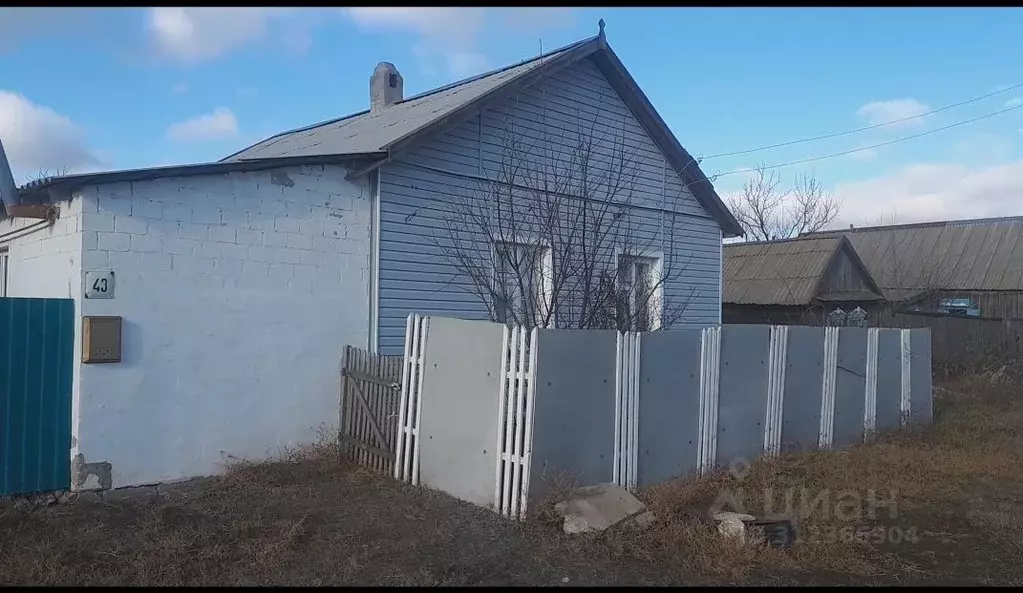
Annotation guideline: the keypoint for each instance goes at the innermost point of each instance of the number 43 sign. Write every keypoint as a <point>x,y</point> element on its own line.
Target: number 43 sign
<point>99,285</point>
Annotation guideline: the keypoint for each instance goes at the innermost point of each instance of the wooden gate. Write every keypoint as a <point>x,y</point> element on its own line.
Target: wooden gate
<point>370,400</point>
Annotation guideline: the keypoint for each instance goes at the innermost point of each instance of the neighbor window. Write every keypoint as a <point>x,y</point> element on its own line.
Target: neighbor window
<point>639,290</point>
<point>4,259</point>
<point>518,281</point>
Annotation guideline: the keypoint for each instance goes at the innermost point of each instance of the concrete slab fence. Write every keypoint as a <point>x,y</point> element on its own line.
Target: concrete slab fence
<point>495,415</point>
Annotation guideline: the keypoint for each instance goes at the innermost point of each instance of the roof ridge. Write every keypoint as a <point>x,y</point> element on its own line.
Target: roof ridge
<point>916,225</point>
<point>422,95</point>
<point>804,237</point>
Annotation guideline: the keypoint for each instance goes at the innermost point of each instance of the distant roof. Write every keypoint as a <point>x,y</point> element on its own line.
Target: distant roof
<point>400,125</point>
<point>785,272</point>
<point>979,254</point>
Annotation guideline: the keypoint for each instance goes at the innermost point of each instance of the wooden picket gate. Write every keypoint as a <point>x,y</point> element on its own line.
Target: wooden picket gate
<point>370,398</point>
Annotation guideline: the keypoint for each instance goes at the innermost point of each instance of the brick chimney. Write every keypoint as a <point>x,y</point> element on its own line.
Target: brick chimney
<point>385,86</point>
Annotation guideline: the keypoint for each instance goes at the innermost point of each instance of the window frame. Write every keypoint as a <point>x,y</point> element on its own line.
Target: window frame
<point>544,286</point>
<point>655,304</point>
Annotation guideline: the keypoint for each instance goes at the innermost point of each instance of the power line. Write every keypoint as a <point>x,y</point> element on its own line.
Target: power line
<point>890,142</point>
<point>864,129</point>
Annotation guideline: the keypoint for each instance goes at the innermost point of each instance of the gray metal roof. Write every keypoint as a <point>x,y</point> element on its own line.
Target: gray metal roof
<point>380,134</point>
<point>402,124</point>
<point>367,131</point>
<point>776,272</point>
<point>982,254</point>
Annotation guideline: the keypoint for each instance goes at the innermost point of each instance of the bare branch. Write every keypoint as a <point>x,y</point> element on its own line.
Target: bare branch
<point>767,213</point>
<point>550,234</point>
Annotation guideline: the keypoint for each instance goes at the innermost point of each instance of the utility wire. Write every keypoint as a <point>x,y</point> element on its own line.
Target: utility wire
<point>864,129</point>
<point>890,142</point>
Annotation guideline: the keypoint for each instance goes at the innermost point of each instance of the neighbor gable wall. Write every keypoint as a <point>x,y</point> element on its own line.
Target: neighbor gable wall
<point>238,293</point>
<point>417,189</point>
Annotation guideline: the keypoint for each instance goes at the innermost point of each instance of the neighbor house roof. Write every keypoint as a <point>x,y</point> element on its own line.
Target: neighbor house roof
<point>905,260</point>
<point>402,124</point>
<point>786,272</point>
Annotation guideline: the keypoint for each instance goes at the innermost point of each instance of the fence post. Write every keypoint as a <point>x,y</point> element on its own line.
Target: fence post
<point>827,425</point>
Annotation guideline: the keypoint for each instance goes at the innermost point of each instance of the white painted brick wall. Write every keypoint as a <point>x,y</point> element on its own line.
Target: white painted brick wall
<point>47,263</point>
<point>238,295</point>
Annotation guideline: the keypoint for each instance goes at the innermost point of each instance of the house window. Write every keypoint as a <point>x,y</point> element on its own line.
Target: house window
<point>519,282</point>
<point>639,292</point>
<point>4,264</point>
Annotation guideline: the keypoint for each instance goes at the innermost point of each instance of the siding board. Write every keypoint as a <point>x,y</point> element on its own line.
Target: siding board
<point>418,190</point>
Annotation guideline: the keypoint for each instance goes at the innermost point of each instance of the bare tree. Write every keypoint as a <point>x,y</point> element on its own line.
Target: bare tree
<point>43,174</point>
<point>553,231</point>
<point>767,212</point>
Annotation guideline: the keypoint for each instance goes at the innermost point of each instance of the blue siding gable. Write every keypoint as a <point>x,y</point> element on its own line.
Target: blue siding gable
<point>418,188</point>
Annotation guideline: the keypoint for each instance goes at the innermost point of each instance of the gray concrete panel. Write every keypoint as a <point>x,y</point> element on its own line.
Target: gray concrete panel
<point>920,389</point>
<point>459,409</point>
<point>742,407</point>
<point>804,377</point>
<point>850,386</point>
<point>573,427</point>
<point>669,404</point>
<point>889,379</point>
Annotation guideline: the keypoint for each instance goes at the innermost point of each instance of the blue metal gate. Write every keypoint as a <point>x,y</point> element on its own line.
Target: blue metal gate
<point>36,362</point>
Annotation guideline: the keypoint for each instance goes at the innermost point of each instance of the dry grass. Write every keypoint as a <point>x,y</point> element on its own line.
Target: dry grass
<point>309,517</point>
<point>954,483</point>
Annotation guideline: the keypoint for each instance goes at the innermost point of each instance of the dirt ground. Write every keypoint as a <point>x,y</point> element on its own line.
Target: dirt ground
<point>949,513</point>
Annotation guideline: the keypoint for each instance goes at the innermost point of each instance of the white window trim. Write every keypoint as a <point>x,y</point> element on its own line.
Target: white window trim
<point>5,270</point>
<point>545,288</point>
<point>656,270</point>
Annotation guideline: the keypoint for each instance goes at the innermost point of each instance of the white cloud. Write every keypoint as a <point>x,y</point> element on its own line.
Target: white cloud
<point>38,138</point>
<point>929,192</point>
<point>198,33</point>
<point>221,123</point>
<point>1014,102</point>
<point>882,112</point>
<point>452,34</point>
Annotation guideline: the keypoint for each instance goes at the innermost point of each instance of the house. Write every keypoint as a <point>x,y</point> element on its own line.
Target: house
<point>794,281</point>
<point>928,266</point>
<point>240,282</point>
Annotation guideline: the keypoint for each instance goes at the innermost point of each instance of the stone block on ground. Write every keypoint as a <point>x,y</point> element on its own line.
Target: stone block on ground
<point>595,508</point>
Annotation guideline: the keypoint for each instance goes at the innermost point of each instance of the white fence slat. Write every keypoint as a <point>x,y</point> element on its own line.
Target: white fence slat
<point>907,355</point>
<point>421,360</point>
<point>502,399</point>
<point>870,397</point>
<point>527,455</point>
<point>509,416</point>
<point>520,404</point>
<point>616,462</point>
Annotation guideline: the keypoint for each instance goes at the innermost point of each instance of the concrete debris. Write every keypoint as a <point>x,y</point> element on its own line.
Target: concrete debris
<point>733,525</point>
<point>595,508</point>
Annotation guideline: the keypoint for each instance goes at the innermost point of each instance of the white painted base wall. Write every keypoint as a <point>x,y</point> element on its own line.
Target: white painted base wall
<point>238,293</point>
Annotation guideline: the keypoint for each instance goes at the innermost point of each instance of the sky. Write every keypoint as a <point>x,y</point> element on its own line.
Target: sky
<point>87,89</point>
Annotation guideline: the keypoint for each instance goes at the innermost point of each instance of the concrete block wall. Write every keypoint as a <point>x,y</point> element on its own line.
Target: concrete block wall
<point>47,263</point>
<point>238,293</point>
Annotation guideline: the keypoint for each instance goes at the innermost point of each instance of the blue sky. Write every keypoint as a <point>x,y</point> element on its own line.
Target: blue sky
<point>90,89</point>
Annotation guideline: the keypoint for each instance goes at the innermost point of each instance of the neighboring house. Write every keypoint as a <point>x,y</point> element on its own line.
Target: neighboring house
<point>794,281</point>
<point>240,282</point>
<point>925,266</point>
